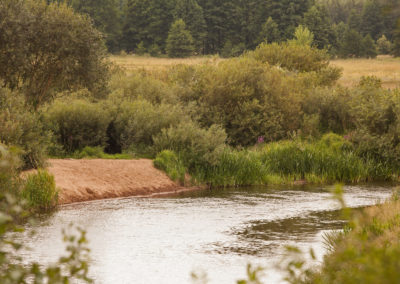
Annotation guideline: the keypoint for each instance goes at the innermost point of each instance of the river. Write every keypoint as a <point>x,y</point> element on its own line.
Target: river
<point>217,233</point>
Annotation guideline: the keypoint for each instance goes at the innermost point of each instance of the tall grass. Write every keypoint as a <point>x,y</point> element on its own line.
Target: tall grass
<point>40,191</point>
<point>328,160</point>
<point>170,163</point>
<point>367,251</point>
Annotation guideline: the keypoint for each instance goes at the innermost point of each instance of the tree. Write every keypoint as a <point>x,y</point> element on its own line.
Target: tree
<point>316,19</point>
<point>368,47</point>
<point>45,49</point>
<point>269,32</point>
<point>396,41</point>
<point>303,36</point>
<point>351,44</point>
<point>147,21</point>
<point>180,41</point>
<point>106,15</point>
<point>384,45</point>
<point>192,14</point>
<point>371,19</point>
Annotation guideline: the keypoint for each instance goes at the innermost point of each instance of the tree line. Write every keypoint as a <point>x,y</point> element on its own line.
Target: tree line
<point>347,28</point>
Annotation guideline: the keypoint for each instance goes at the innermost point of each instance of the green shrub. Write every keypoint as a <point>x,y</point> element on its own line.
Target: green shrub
<point>247,98</point>
<point>195,146</point>
<point>170,163</point>
<point>140,85</point>
<point>138,121</point>
<point>40,191</point>
<point>23,128</point>
<point>291,56</point>
<point>78,123</point>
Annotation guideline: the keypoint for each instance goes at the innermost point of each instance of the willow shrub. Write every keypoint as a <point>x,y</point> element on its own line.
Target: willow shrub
<point>40,191</point>
<point>197,147</point>
<point>78,123</point>
<point>137,122</point>
<point>23,128</point>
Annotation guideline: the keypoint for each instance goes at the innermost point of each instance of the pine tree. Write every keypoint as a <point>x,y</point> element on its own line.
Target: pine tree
<point>147,21</point>
<point>351,44</point>
<point>396,41</point>
<point>371,19</point>
<point>180,41</point>
<point>317,21</point>
<point>269,32</point>
<point>192,14</point>
<point>106,15</point>
<point>368,47</point>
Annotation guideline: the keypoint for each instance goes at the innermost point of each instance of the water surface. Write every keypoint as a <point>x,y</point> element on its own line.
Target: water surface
<point>163,240</point>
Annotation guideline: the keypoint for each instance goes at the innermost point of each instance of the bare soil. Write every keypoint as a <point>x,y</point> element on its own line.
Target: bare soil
<point>85,180</point>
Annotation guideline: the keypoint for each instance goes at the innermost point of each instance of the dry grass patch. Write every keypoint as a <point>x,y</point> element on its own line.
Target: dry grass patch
<point>132,62</point>
<point>386,68</point>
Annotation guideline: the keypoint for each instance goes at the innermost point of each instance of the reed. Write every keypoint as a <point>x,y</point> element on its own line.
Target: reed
<point>40,191</point>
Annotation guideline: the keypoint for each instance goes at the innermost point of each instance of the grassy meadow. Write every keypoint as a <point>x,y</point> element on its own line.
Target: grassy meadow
<point>384,67</point>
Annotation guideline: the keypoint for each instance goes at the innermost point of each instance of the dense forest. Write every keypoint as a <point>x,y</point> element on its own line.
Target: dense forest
<point>347,28</point>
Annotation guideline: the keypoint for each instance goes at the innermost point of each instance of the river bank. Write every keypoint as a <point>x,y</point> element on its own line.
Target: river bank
<point>86,180</point>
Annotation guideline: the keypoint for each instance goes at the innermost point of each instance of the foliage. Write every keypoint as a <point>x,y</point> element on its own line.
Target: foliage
<point>42,60</point>
<point>316,19</point>
<point>179,41</point>
<point>98,153</point>
<point>195,146</point>
<point>303,36</point>
<point>384,45</point>
<point>366,252</point>
<point>323,161</point>
<point>78,123</point>
<point>72,267</point>
<point>107,17</point>
<point>170,163</point>
<point>302,58</point>
<point>137,122</point>
<point>269,32</point>
<point>40,191</point>
<point>22,128</point>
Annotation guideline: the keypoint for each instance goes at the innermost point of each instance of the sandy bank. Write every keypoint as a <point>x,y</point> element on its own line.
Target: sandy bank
<point>85,180</point>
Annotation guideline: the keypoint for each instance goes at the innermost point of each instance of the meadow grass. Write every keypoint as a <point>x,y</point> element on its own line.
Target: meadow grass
<point>134,62</point>
<point>384,67</point>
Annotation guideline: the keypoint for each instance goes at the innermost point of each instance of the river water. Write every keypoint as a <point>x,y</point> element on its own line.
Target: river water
<point>217,233</point>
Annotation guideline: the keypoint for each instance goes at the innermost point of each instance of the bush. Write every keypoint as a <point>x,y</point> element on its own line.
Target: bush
<point>78,123</point>
<point>139,85</point>
<point>291,56</point>
<point>195,146</point>
<point>23,128</point>
<point>138,121</point>
<point>169,162</point>
<point>40,191</point>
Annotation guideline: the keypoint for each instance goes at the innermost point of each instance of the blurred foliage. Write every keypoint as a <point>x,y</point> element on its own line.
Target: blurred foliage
<point>14,214</point>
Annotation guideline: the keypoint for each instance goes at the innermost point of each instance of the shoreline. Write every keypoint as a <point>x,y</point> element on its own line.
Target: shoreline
<point>96,179</point>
